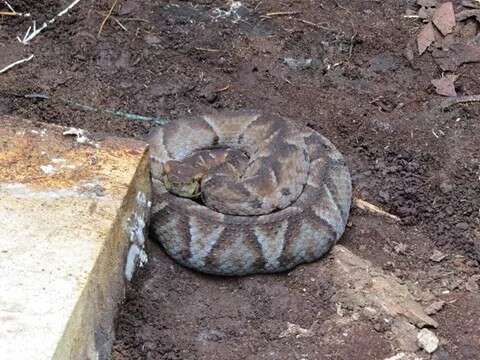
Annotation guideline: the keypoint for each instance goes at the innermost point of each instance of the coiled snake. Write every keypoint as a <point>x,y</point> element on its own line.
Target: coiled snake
<point>243,193</point>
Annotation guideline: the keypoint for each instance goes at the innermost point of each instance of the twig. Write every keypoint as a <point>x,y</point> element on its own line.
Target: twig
<point>120,24</point>
<point>108,15</point>
<point>281,13</point>
<point>364,205</point>
<point>12,11</point>
<point>459,100</point>
<point>207,49</point>
<point>318,26</point>
<point>223,89</point>
<point>352,43</point>
<point>8,67</point>
<point>32,31</point>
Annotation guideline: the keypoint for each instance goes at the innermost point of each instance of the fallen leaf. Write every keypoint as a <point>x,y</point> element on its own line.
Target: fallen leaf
<point>445,86</point>
<point>456,55</point>
<point>427,3</point>
<point>471,4</point>
<point>465,14</point>
<point>444,18</point>
<point>425,38</point>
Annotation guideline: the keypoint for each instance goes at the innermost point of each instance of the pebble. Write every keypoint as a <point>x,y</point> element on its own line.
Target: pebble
<point>472,284</point>
<point>299,64</point>
<point>427,340</point>
<point>446,187</point>
<point>462,226</point>
<point>435,307</point>
<point>437,256</point>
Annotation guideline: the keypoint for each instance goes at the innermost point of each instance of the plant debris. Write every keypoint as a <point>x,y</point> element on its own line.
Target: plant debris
<point>444,18</point>
<point>445,85</point>
<point>425,38</point>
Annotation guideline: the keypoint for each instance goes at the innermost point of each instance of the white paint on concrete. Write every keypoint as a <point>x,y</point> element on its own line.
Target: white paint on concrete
<point>137,256</point>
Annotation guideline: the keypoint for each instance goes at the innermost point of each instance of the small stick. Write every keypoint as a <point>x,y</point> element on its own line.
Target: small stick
<point>223,89</point>
<point>459,100</point>
<point>350,50</point>
<point>12,11</point>
<point>207,49</point>
<point>8,67</point>
<point>108,15</point>
<point>120,24</point>
<point>281,13</point>
<point>318,26</point>
<point>364,205</point>
<point>33,32</point>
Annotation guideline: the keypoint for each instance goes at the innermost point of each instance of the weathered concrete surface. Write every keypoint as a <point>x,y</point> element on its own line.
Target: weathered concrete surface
<point>73,212</point>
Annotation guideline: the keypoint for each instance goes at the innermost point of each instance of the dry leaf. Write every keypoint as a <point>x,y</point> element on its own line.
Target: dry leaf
<point>427,3</point>
<point>425,38</point>
<point>465,14</point>
<point>446,85</point>
<point>475,4</point>
<point>456,55</point>
<point>444,18</point>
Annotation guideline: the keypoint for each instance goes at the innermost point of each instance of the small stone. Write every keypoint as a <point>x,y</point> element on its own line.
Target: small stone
<point>435,307</point>
<point>437,256</point>
<point>441,354</point>
<point>299,64</point>
<point>209,94</point>
<point>427,340</point>
<point>152,39</point>
<point>462,226</point>
<point>472,284</point>
<point>446,187</point>
<point>401,248</point>
<point>296,331</point>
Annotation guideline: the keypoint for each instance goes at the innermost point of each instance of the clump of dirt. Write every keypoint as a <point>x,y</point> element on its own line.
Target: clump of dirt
<point>338,67</point>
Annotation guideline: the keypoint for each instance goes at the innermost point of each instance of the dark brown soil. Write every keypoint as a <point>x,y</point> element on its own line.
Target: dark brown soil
<point>406,155</point>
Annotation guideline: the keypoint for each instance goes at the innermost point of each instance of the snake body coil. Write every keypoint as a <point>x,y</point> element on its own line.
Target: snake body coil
<point>244,193</point>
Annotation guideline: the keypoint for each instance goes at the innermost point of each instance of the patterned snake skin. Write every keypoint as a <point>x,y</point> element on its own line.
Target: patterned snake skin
<point>244,193</point>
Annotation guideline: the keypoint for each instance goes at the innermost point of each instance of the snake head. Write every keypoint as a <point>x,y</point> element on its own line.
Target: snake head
<point>182,179</point>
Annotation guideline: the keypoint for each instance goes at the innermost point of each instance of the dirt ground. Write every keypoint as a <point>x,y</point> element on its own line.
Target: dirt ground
<point>406,154</point>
